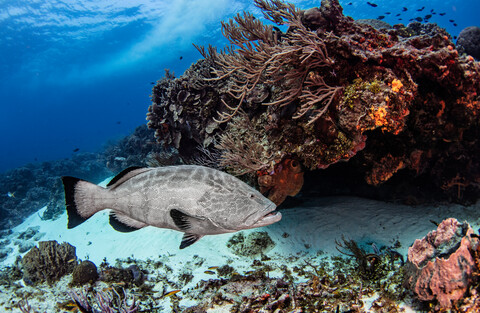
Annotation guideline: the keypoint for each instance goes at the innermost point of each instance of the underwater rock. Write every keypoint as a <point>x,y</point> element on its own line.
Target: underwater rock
<point>83,273</point>
<point>441,266</point>
<point>49,262</point>
<point>4,252</point>
<point>24,246</point>
<point>253,244</point>
<point>469,41</point>
<point>116,274</point>
<point>137,274</point>
<point>30,233</point>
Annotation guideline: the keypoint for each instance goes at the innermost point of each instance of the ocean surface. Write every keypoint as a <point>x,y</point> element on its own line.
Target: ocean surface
<point>75,75</point>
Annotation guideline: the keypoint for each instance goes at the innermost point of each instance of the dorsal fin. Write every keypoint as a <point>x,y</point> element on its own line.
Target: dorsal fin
<point>125,175</point>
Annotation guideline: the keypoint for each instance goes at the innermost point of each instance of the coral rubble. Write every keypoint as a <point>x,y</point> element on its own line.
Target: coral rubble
<point>442,265</point>
<point>326,90</point>
<point>253,244</point>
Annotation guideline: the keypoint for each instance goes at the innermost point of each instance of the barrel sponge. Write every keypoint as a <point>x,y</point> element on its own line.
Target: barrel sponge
<point>48,262</point>
<point>441,266</point>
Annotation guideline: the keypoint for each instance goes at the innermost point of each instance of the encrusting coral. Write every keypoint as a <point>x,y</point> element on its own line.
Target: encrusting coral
<point>325,90</point>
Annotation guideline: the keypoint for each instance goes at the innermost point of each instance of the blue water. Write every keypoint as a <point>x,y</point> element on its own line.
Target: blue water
<point>76,74</point>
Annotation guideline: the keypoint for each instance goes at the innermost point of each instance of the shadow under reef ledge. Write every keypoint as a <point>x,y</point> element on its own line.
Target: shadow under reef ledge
<point>348,179</point>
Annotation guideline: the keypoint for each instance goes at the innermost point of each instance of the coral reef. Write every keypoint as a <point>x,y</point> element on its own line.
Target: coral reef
<point>48,263</point>
<point>469,41</point>
<point>37,185</point>
<point>369,264</point>
<point>286,179</point>
<point>441,266</point>
<point>136,150</point>
<point>325,287</point>
<point>329,89</point>
<point>251,245</point>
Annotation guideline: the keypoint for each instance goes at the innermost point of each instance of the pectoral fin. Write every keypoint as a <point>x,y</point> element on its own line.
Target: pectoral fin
<point>189,239</point>
<point>187,224</point>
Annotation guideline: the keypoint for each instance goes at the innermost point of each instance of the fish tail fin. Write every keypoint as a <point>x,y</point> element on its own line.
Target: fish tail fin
<point>79,200</point>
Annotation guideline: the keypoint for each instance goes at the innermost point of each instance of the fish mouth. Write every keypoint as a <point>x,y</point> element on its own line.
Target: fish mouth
<point>269,218</point>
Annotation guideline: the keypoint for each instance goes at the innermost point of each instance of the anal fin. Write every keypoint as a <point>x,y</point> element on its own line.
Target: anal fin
<point>189,239</point>
<point>123,223</point>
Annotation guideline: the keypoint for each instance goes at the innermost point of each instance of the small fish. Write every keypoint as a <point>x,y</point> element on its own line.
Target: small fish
<point>434,223</point>
<point>210,272</point>
<point>70,306</point>
<point>454,37</point>
<point>193,199</point>
<point>381,17</point>
<point>428,16</point>
<point>419,19</point>
<point>421,9</point>
<point>11,194</point>
<point>404,9</point>
<point>76,149</point>
<point>388,13</point>
<point>152,83</point>
<point>171,293</point>
<point>398,14</point>
<point>350,3</point>
<point>451,21</point>
<point>442,14</point>
<point>455,24</point>
<point>213,267</point>
<point>71,260</point>
<point>372,4</point>
<point>249,272</point>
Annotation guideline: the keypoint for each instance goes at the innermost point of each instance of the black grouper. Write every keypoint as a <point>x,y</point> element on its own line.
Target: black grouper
<point>193,199</point>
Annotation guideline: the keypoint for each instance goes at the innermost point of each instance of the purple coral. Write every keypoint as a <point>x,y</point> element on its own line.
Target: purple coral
<point>106,302</point>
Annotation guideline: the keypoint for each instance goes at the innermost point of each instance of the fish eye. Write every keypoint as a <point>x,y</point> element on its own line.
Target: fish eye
<point>252,196</point>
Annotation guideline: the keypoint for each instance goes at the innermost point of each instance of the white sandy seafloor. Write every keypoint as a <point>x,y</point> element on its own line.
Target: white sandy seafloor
<point>312,227</point>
